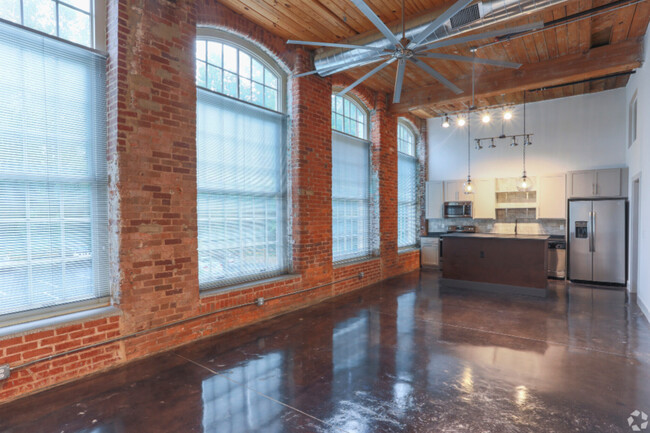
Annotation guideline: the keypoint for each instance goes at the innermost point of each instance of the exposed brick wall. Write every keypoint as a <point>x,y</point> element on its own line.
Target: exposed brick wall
<point>151,101</point>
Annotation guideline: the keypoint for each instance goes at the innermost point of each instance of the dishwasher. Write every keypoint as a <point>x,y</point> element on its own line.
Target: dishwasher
<point>557,259</point>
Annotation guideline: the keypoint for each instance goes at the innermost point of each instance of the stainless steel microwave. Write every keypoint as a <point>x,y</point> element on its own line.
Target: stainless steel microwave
<point>458,209</point>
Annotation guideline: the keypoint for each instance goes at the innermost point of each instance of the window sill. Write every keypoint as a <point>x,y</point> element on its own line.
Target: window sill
<point>247,285</point>
<point>410,249</point>
<point>17,329</point>
<point>350,262</point>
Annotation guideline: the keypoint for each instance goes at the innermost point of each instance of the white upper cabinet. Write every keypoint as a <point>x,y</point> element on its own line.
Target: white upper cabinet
<point>485,199</point>
<point>551,197</point>
<point>434,199</point>
<point>611,182</point>
<point>455,191</point>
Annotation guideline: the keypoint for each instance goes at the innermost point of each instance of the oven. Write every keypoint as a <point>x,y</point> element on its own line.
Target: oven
<point>458,209</point>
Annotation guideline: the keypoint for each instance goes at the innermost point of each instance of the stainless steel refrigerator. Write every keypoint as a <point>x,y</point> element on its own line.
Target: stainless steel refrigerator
<point>598,241</point>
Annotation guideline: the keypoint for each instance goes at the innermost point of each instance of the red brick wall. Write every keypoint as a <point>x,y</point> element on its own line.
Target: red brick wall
<point>151,100</point>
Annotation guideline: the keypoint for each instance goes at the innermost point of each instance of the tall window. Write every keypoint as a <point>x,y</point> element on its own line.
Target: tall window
<point>72,20</point>
<point>407,181</point>
<point>350,181</point>
<point>241,136</point>
<point>53,205</point>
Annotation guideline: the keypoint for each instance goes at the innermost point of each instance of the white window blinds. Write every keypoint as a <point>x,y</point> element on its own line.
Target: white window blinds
<point>407,181</point>
<point>350,197</point>
<point>53,205</point>
<point>241,191</point>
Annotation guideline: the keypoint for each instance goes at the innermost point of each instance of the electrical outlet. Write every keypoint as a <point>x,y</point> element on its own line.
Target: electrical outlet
<point>5,372</point>
<point>260,302</point>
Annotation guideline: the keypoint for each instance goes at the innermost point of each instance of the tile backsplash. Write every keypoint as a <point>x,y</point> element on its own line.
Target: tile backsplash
<point>529,226</point>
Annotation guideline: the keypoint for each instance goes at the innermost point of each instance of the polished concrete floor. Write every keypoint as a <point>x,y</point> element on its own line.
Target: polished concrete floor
<point>400,356</point>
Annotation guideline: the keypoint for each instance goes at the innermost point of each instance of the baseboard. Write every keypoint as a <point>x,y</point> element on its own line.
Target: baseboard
<point>643,307</point>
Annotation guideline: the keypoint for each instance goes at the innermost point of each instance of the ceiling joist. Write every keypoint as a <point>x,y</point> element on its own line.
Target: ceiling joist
<point>609,59</point>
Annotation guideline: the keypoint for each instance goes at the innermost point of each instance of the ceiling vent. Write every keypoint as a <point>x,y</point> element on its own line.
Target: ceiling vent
<point>466,16</point>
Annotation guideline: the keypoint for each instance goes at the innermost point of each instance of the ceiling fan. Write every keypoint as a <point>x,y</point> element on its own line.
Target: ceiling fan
<point>416,49</point>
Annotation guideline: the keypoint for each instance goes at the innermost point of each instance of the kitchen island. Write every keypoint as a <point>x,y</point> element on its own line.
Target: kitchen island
<point>515,264</point>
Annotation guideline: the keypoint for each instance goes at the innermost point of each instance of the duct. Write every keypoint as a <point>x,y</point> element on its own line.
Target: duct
<point>490,12</point>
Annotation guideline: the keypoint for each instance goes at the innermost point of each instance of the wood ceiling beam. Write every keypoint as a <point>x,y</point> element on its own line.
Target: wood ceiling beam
<point>608,59</point>
<point>418,20</point>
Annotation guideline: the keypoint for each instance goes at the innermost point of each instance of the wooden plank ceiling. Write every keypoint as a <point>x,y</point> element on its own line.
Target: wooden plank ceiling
<point>341,21</point>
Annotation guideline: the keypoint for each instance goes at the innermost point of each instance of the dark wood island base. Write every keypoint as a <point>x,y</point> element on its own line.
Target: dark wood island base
<point>496,263</point>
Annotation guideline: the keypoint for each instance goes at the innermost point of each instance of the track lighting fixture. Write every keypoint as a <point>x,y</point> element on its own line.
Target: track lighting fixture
<point>507,115</point>
<point>460,121</point>
<point>445,122</point>
<point>478,144</point>
<point>514,142</point>
<point>528,142</point>
<point>492,145</point>
<point>486,118</point>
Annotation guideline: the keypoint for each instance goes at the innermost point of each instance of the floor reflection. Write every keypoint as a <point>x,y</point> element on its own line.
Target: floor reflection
<point>239,399</point>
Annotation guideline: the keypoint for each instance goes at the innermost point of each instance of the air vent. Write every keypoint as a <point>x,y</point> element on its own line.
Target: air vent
<point>466,16</point>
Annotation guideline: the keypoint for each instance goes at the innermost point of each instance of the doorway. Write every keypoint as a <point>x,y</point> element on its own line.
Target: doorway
<point>634,234</point>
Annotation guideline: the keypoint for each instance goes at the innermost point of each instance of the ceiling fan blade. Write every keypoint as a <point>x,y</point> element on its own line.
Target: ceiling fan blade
<point>399,80</point>
<point>435,74</point>
<point>441,56</point>
<point>485,35</point>
<point>446,15</point>
<point>363,7</point>
<point>335,45</point>
<point>366,76</point>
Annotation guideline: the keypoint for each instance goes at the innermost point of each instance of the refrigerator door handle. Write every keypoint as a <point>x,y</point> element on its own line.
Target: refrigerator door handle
<point>591,232</point>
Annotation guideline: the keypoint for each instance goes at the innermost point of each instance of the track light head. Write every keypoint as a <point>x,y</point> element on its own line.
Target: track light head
<point>461,121</point>
<point>514,142</point>
<point>445,122</point>
<point>507,115</point>
<point>486,118</point>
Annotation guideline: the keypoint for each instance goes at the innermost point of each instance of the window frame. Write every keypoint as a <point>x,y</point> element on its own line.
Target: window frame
<point>403,123</point>
<point>98,212</point>
<point>370,207</point>
<point>97,24</point>
<point>633,120</point>
<point>254,51</point>
<point>360,107</point>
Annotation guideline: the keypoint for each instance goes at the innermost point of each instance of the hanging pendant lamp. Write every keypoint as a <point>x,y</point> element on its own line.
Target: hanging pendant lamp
<point>524,183</point>
<point>468,186</point>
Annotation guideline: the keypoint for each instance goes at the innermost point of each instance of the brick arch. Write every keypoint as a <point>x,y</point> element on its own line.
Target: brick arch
<point>209,13</point>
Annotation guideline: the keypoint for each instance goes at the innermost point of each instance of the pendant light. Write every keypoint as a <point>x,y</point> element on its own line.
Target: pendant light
<point>468,186</point>
<point>524,183</point>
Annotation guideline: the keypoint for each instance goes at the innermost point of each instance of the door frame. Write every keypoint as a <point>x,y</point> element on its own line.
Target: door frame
<point>635,226</point>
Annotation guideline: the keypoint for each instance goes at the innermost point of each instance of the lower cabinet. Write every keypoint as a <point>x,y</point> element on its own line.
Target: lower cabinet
<point>430,252</point>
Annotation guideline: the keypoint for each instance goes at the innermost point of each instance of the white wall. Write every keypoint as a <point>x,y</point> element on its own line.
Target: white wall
<point>638,159</point>
<point>579,132</point>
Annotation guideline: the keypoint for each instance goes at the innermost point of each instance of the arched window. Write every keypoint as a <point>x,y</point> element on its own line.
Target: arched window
<point>53,195</point>
<point>349,117</point>
<point>407,186</point>
<point>241,162</point>
<point>229,68</point>
<point>350,180</point>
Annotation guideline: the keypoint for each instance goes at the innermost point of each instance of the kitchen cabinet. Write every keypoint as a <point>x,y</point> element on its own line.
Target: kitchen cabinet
<point>551,197</point>
<point>430,252</point>
<point>610,182</point>
<point>484,199</point>
<point>455,191</point>
<point>434,199</point>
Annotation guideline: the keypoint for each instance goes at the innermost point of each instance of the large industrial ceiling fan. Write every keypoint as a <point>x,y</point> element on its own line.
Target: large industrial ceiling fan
<point>414,50</point>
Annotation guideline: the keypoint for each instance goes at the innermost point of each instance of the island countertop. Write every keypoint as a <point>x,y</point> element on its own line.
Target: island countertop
<point>498,236</point>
